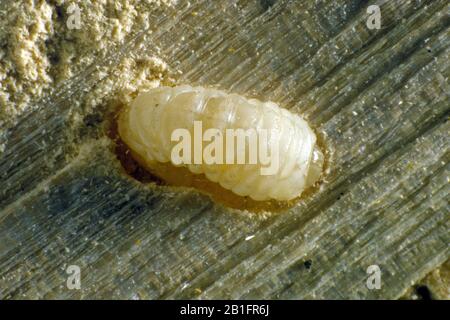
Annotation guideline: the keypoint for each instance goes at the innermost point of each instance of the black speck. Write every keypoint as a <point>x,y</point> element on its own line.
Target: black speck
<point>340,195</point>
<point>92,120</point>
<point>267,4</point>
<point>59,12</point>
<point>53,58</point>
<point>308,264</point>
<point>423,292</point>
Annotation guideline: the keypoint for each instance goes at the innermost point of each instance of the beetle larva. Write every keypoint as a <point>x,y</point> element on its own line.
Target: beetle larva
<point>148,125</point>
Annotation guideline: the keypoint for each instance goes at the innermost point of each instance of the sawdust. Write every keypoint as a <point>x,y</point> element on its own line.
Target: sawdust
<point>43,46</point>
<point>435,285</point>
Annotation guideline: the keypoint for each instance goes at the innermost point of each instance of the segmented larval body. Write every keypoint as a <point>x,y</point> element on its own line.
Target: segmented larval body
<point>147,124</point>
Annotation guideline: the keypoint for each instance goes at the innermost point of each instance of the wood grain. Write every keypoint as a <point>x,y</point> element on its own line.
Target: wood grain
<point>375,96</point>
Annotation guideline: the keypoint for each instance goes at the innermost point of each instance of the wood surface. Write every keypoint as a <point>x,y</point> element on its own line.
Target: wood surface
<point>378,98</point>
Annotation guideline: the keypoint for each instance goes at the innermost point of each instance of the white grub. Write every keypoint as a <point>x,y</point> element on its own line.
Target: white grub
<point>146,126</point>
